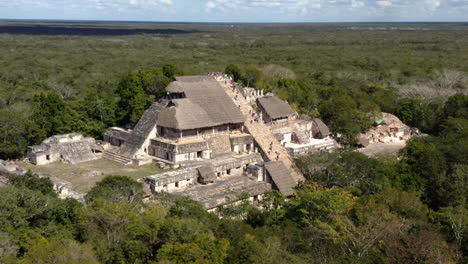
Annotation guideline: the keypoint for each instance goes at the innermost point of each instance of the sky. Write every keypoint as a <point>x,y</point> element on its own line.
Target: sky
<point>239,10</point>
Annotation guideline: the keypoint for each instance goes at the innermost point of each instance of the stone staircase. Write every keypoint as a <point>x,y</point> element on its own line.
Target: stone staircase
<point>262,134</point>
<point>114,156</point>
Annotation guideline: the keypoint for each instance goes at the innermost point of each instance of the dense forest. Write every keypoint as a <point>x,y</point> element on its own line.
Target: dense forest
<point>406,208</point>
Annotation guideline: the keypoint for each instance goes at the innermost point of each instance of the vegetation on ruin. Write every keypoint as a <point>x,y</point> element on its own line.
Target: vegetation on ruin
<point>352,209</point>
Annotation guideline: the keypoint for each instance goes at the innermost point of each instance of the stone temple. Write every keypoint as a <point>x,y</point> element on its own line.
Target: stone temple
<point>225,140</point>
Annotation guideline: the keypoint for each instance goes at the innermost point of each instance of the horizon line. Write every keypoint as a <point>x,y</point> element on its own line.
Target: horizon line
<point>219,22</point>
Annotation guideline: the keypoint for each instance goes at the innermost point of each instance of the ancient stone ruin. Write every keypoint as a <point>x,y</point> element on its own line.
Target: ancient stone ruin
<point>208,126</point>
<point>388,129</point>
<point>72,148</point>
<point>225,140</point>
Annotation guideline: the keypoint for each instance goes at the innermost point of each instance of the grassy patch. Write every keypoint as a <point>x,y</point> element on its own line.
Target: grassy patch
<point>83,176</point>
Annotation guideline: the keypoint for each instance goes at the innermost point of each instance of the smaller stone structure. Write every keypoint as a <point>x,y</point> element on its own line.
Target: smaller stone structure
<point>303,136</point>
<point>315,145</point>
<point>201,173</point>
<point>208,182</point>
<point>273,109</point>
<point>387,129</point>
<point>72,148</point>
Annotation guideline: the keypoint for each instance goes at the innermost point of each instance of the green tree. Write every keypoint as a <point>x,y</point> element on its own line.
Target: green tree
<point>133,100</point>
<point>12,140</point>
<point>58,251</point>
<point>360,233</point>
<point>341,113</point>
<point>101,107</point>
<point>51,115</point>
<point>23,209</point>
<point>156,85</point>
<point>404,204</point>
<point>349,169</point>
<point>424,159</point>
<point>315,206</point>
<point>411,111</point>
<point>456,106</point>
<point>203,250</point>
<point>184,230</point>
<point>44,185</point>
<point>117,189</point>
<point>107,225</point>
<point>234,71</point>
<point>185,207</point>
<point>419,246</point>
<point>251,75</point>
<point>453,221</point>
<point>171,71</point>
<point>8,246</point>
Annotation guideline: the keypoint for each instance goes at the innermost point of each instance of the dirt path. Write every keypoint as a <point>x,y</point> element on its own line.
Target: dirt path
<point>384,149</point>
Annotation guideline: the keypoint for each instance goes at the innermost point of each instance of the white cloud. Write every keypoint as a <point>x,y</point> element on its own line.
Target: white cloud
<point>89,4</point>
<point>433,4</point>
<point>384,3</point>
<point>276,5</point>
<point>240,10</point>
<point>343,8</point>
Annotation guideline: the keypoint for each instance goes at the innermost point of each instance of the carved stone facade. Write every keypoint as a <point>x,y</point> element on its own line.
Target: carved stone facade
<point>208,182</point>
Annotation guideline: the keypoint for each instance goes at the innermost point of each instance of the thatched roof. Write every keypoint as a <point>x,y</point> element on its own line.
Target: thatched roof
<point>280,176</point>
<point>319,129</point>
<point>206,105</point>
<point>275,107</point>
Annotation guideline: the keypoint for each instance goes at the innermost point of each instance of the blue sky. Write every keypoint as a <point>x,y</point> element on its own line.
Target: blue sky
<point>238,10</point>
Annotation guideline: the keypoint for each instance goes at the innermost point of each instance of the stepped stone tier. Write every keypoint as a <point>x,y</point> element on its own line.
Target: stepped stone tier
<point>72,148</point>
<point>265,140</point>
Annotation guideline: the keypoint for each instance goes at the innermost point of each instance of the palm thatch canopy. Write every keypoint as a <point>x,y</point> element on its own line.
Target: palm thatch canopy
<point>206,104</point>
<point>275,107</point>
<point>319,129</point>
